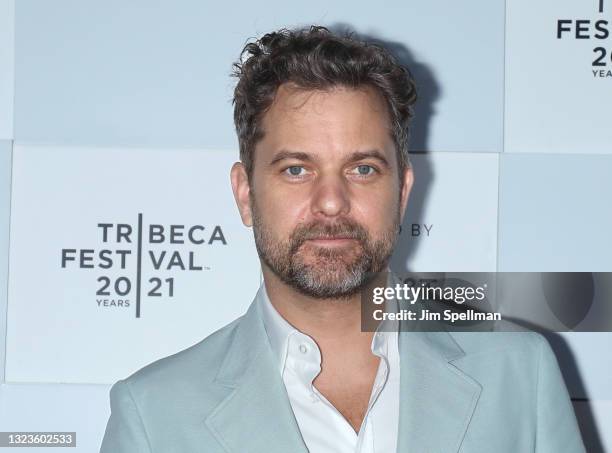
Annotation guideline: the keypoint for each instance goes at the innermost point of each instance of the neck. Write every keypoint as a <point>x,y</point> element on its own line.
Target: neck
<point>331,323</point>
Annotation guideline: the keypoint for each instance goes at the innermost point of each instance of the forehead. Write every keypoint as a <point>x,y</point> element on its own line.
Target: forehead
<point>338,119</point>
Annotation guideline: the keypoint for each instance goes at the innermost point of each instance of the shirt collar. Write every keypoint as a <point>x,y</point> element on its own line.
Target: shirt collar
<point>279,332</point>
<point>277,328</point>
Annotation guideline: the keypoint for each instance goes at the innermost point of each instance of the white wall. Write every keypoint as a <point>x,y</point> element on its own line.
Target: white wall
<point>516,174</point>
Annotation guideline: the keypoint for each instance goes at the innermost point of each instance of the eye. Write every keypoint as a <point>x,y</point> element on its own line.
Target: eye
<point>364,170</point>
<point>295,170</point>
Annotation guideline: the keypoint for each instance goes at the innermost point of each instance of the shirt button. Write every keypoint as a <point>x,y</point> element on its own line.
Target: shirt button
<point>303,348</point>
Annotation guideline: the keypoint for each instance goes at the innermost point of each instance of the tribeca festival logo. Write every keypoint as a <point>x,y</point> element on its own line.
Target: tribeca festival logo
<point>595,29</point>
<point>125,247</point>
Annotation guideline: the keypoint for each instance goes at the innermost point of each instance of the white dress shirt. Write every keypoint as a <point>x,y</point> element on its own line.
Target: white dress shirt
<point>323,428</point>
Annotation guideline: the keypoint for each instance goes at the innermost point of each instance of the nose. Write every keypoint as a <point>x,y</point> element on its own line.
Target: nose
<point>330,197</point>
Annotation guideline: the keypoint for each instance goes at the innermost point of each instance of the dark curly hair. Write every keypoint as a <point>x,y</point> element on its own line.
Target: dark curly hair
<point>315,58</point>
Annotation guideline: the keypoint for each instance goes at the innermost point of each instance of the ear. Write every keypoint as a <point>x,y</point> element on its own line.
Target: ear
<point>241,189</point>
<point>405,190</point>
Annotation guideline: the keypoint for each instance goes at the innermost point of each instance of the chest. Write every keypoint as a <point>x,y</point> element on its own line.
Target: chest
<point>351,399</point>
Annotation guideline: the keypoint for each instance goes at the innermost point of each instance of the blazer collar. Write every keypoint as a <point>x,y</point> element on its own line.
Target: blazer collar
<point>256,414</point>
<point>437,399</point>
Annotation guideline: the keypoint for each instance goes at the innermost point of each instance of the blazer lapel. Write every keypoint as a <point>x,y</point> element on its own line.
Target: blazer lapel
<point>256,415</point>
<point>437,399</point>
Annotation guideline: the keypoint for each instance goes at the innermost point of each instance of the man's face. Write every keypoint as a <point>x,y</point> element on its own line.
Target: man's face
<point>325,197</point>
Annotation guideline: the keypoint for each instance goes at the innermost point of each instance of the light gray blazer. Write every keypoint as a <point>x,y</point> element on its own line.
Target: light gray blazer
<point>460,392</point>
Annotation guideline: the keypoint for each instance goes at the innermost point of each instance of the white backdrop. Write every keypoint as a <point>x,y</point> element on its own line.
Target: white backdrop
<point>73,312</point>
<point>111,109</point>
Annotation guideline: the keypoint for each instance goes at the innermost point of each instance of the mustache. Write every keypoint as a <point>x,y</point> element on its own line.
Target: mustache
<point>345,229</point>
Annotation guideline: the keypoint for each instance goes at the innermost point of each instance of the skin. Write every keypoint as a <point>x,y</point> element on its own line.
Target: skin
<point>312,171</point>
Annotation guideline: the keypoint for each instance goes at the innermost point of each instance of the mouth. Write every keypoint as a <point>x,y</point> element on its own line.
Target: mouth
<point>338,241</point>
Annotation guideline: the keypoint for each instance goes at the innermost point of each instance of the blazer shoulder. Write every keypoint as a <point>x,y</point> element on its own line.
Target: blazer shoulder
<point>506,364</point>
<point>525,342</point>
<point>199,362</point>
<point>157,405</point>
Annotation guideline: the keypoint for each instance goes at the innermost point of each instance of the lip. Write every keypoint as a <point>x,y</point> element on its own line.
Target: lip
<point>332,242</point>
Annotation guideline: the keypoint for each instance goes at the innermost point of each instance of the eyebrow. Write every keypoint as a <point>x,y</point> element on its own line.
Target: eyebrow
<point>354,157</point>
<point>371,154</point>
<point>284,154</point>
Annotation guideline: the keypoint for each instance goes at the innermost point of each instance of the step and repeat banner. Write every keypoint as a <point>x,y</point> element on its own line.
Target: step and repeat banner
<point>558,74</point>
<point>120,256</point>
<point>121,239</point>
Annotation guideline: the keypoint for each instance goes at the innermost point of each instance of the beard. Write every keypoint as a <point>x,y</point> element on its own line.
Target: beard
<point>325,272</point>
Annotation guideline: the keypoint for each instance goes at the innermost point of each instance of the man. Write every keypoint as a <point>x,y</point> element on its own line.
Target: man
<point>324,181</point>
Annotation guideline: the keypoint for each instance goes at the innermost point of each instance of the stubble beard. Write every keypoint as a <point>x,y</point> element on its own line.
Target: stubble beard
<point>324,272</point>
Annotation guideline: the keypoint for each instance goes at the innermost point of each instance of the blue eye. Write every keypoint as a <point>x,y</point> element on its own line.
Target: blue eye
<point>365,170</point>
<point>295,170</point>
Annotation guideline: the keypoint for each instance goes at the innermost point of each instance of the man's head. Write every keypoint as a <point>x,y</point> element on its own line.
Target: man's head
<point>324,175</point>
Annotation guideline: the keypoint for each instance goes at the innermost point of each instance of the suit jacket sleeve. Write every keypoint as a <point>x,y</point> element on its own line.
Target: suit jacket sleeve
<point>125,431</point>
<point>557,429</point>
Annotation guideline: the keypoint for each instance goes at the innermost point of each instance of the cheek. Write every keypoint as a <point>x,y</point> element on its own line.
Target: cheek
<point>377,211</point>
<point>281,210</point>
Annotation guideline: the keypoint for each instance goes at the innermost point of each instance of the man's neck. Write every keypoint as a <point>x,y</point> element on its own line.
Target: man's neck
<point>322,319</point>
<point>348,366</point>
<point>334,324</point>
